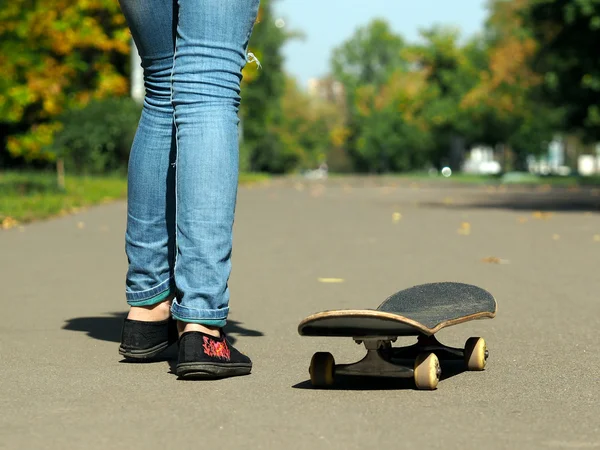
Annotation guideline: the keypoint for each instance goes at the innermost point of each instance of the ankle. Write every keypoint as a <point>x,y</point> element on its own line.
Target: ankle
<point>151,313</point>
<point>183,327</point>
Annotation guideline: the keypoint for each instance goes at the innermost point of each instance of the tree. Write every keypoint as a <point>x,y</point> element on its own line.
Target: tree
<point>368,57</point>
<point>56,55</point>
<point>507,100</point>
<point>450,70</point>
<point>363,64</point>
<point>262,92</point>
<point>394,135</point>
<point>568,30</point>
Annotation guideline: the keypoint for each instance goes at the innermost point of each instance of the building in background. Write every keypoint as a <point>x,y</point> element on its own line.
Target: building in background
<point>481,160</point>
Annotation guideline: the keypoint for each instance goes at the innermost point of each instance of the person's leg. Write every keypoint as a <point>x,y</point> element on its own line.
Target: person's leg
<point>149,239</point>
<point>150,214</point>
<point>210,52</point>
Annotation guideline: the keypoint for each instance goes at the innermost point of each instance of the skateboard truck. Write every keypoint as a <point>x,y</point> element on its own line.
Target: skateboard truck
<point>376,361</point>
<point>419,361</point>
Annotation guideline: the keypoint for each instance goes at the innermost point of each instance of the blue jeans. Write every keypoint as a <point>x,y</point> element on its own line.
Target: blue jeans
<point>183,166</point>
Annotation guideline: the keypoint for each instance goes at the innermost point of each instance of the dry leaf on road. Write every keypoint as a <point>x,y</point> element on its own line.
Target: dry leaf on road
<point>330,280</point>
<point>494,260</point>
<point>9,222</point>
<point>465,229</point>
<point>541,215</point>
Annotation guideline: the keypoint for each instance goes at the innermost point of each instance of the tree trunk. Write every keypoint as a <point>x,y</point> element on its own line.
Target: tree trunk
<point>60,173</point>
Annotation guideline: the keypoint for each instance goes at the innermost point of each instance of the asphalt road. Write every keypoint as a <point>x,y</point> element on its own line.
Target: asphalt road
<point>64,386</point>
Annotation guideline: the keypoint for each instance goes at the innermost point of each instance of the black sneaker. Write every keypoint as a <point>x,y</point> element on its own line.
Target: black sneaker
<point>205,356</point>
<point>145,340</point>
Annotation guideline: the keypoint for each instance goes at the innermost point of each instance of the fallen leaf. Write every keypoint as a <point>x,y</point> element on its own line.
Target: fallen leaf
<point>556,237</point>
<point>330,280</point>
<point>522,219</point>
<point>80,225</point>
<point>465,229</point>
<point>396,217</point>
<point>317,191</point>
<point>448,201</point>
<point>541,215</point>
<point>494,260</point>
<point>597,238</point>
<point>299,187</point>
<point>9,222</point>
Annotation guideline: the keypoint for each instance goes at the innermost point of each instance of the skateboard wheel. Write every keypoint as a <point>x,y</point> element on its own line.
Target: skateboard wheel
<point>427,371</point>
<point>475,353</point>
<point>322,369</point>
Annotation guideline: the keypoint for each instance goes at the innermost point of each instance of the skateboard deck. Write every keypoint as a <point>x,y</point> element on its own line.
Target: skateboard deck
<point>423,309</point>
<point>419,311</point>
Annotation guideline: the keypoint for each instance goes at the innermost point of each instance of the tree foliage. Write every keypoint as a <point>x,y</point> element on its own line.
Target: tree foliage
<point>56,55</point>
<point>569,31</point>
<point>263,89</point>
<point>404,105</point>
<point>507,97</point>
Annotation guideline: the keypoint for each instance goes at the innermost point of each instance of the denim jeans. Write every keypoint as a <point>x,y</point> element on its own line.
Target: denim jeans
<point>183,166</point>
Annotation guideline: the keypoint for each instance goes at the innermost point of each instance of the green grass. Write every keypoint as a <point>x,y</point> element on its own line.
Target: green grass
<point>28,196</point>
<point>251,178</point>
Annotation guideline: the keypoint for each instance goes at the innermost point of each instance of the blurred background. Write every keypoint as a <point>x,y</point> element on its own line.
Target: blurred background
<point>476,89</point>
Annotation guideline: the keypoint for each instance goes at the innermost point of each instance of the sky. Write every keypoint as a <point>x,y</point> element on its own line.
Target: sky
<point>328,23</point>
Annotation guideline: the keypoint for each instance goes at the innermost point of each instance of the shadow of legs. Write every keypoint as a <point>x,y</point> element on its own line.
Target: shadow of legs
<point>108,328</point>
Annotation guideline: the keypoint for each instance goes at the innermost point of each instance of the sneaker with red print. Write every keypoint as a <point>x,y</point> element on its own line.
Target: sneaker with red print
<point>205,356</point>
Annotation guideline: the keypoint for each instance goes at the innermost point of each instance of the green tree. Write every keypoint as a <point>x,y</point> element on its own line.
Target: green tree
<point>263,88</point>
<point>394,135</point>
<point>450,70</point>
<point>568,30</point>
<point>56,55</point>
<point>363,64</point>
<point>507,101</point>
<point>309,128</point>
<point>370,56</point>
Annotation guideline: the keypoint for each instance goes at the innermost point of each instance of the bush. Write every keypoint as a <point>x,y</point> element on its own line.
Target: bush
<point>97,138</point>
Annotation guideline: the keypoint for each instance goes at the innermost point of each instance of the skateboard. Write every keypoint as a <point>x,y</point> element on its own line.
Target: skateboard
<point>419,311</point>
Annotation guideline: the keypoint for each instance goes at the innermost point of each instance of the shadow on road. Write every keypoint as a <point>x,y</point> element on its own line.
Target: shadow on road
<point>355,383</point>
<point>108,328</point>
<point>553,201</point>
